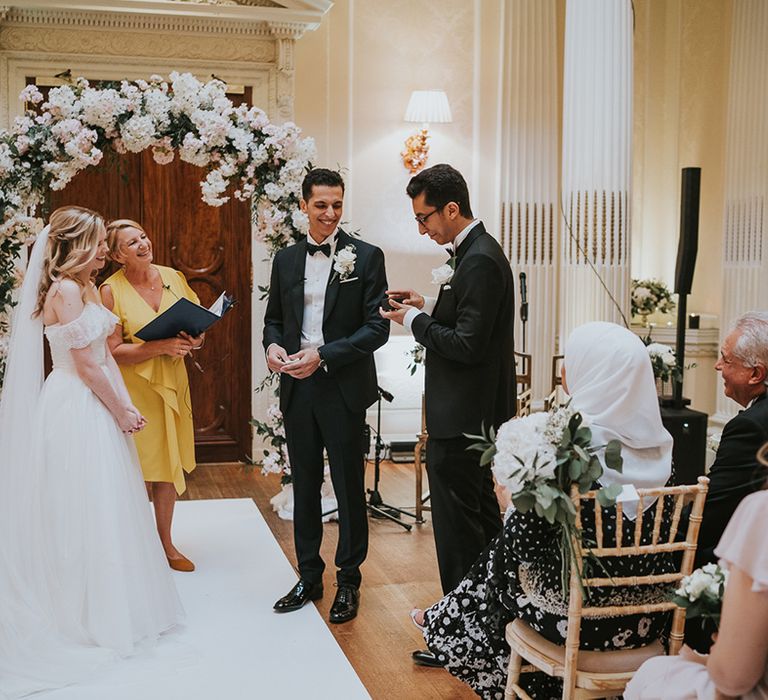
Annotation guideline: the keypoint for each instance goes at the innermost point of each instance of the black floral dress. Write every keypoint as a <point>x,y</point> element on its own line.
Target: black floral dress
<point>519,576</point>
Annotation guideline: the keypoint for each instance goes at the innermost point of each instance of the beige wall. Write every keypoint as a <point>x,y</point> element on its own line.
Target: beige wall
<point>681,92</point>
<point>353,80</point>
<point>355,74</point>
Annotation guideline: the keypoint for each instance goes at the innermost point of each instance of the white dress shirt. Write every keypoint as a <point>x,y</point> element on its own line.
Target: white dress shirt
<point>316,275</point>
<point>429,302</point>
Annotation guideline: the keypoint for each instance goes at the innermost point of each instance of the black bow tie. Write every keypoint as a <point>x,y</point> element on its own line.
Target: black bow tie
<point>325,249</point>
<point>451,252</point>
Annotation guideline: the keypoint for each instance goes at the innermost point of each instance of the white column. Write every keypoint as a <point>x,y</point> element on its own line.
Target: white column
<point>529,217</point>
<point>597,137</point>
<point>745,229</point>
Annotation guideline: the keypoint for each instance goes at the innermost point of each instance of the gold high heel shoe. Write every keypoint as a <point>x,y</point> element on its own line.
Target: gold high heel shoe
<point>180,563</point>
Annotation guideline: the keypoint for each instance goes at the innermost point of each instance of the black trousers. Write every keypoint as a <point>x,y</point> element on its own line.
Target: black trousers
<point>465,512</point>
<point>317,419</point>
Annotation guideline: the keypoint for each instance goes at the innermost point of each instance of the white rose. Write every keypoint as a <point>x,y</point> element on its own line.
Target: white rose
<point>346,257</point>
<point>442,275</point>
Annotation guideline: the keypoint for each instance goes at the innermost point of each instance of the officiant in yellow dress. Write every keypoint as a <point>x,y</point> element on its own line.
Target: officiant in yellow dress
<point>154,371</point>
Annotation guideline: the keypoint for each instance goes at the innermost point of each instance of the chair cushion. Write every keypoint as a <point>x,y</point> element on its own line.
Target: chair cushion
<point>614,661</point>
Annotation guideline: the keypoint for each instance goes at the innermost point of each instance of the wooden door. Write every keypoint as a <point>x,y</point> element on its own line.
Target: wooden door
<point>212,247</point>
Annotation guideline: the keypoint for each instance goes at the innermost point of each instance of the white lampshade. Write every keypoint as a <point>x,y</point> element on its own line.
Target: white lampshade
<point>428,106</point>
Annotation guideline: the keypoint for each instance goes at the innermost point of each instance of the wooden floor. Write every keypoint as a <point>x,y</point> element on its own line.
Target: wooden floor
<point>400,573</point>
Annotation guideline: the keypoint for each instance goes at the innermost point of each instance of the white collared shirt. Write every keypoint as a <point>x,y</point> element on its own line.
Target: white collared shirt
<point>429,302</point>
<point>316,276</point>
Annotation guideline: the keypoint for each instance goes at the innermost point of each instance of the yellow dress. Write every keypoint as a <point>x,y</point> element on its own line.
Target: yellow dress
<point>159,387</point>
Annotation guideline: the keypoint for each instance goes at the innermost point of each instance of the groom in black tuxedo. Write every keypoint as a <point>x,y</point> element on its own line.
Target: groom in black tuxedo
<point>320,331</point>
<point>468,332</point>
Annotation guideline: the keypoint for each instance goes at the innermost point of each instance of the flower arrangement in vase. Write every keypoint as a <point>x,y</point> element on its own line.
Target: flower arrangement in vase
<point>648,297</point>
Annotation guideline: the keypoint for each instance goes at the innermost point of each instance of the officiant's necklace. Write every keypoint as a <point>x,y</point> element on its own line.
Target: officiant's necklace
<point>151,287</point>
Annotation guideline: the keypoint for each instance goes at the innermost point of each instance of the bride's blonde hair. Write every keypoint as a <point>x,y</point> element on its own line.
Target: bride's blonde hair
<point>72,245</point>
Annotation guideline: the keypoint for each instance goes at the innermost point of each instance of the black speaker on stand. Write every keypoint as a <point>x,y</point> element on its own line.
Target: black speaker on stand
<point>687,427</point>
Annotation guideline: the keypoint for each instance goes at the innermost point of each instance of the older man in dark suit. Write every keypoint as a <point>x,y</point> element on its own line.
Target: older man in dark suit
<point>468,333</point>
<point>736,472</point>
<point>320,331</point>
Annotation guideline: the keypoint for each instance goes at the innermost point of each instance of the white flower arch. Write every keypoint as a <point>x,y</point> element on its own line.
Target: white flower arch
<point>240,149</point>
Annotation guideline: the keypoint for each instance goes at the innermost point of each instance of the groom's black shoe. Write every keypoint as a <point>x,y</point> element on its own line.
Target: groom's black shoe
<point>345,604</point>
<point>299,595</point>
<point>424,657</point>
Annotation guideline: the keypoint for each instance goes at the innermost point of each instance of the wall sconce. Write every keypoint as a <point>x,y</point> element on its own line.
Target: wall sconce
<point>425,106</point>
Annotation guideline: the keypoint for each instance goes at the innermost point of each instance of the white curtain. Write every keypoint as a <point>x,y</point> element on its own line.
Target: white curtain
<point>596,162</point>
<point>529,214</point>
<point>745,262</point>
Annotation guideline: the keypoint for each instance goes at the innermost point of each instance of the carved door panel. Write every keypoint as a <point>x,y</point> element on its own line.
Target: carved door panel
<point>212,247</point>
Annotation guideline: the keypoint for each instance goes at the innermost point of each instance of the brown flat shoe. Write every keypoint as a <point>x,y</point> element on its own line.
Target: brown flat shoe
<point>180,564</point>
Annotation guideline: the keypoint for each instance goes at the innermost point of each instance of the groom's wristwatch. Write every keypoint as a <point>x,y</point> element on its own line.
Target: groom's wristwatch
<point>322,364</point>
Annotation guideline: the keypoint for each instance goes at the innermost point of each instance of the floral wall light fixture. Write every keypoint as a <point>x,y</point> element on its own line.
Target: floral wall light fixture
<point>425,107</point>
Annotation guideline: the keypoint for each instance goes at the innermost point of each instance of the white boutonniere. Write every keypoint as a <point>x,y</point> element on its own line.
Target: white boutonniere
<point>443,274</point>
<point>344,263</point>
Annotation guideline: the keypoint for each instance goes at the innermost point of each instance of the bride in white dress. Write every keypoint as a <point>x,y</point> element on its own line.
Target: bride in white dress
<point>83,577</point>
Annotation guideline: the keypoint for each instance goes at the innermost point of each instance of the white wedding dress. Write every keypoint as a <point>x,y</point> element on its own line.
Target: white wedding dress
<point>83,577</point>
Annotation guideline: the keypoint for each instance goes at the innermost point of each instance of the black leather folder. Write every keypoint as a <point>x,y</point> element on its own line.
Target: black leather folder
<point>185,316</point>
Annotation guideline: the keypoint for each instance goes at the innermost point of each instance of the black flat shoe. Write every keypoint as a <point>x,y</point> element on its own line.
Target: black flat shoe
<point>298,596</point>
<point>345,604</point>
<point>424,657</point>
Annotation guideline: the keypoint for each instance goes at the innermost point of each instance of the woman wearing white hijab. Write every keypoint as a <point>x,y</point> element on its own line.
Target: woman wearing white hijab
<point>608,375</point>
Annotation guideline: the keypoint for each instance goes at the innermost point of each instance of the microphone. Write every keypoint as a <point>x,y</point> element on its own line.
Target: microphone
<point>385,395</point>
<point>523,298</point>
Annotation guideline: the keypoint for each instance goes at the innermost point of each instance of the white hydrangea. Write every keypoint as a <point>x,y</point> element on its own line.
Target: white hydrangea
<point>62,102</point>
<point>192,150</point>
<point>158,106</point>
<point>641,293</point>
<point>665,352</point>
<point>212,127</point>
<point>300,221</point>
<point>213,187</point>
<point>6,159</point>
<point>138,133</point>
<point>32,94</point>
<point>186,93</point>
<point>102,107</point>
<point>523,452</point>
<point>66,129</point>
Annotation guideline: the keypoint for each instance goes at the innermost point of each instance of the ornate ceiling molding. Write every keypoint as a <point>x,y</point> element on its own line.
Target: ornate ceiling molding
<point>294,17</point>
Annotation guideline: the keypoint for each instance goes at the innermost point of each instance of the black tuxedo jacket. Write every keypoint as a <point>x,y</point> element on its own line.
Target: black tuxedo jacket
<point>735,474</point>
<point>470,364</point>
<point>352,326</point>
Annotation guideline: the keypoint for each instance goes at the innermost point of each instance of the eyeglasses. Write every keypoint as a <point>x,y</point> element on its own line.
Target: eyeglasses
<point>422,219</point>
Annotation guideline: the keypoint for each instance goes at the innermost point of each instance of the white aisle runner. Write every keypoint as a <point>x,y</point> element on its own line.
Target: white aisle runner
<point>233,646</point>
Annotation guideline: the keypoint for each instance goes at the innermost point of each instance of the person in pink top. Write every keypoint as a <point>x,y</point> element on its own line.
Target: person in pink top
<point>737,666</point>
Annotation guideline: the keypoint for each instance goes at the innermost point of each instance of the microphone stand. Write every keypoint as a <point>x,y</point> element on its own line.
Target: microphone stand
<point>376,505</point>
<point>523,304</point>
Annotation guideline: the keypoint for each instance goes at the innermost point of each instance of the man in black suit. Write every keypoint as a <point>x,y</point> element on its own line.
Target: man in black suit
<point>320,331</point>
<point>736,472</point>
<point>470,367</point>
